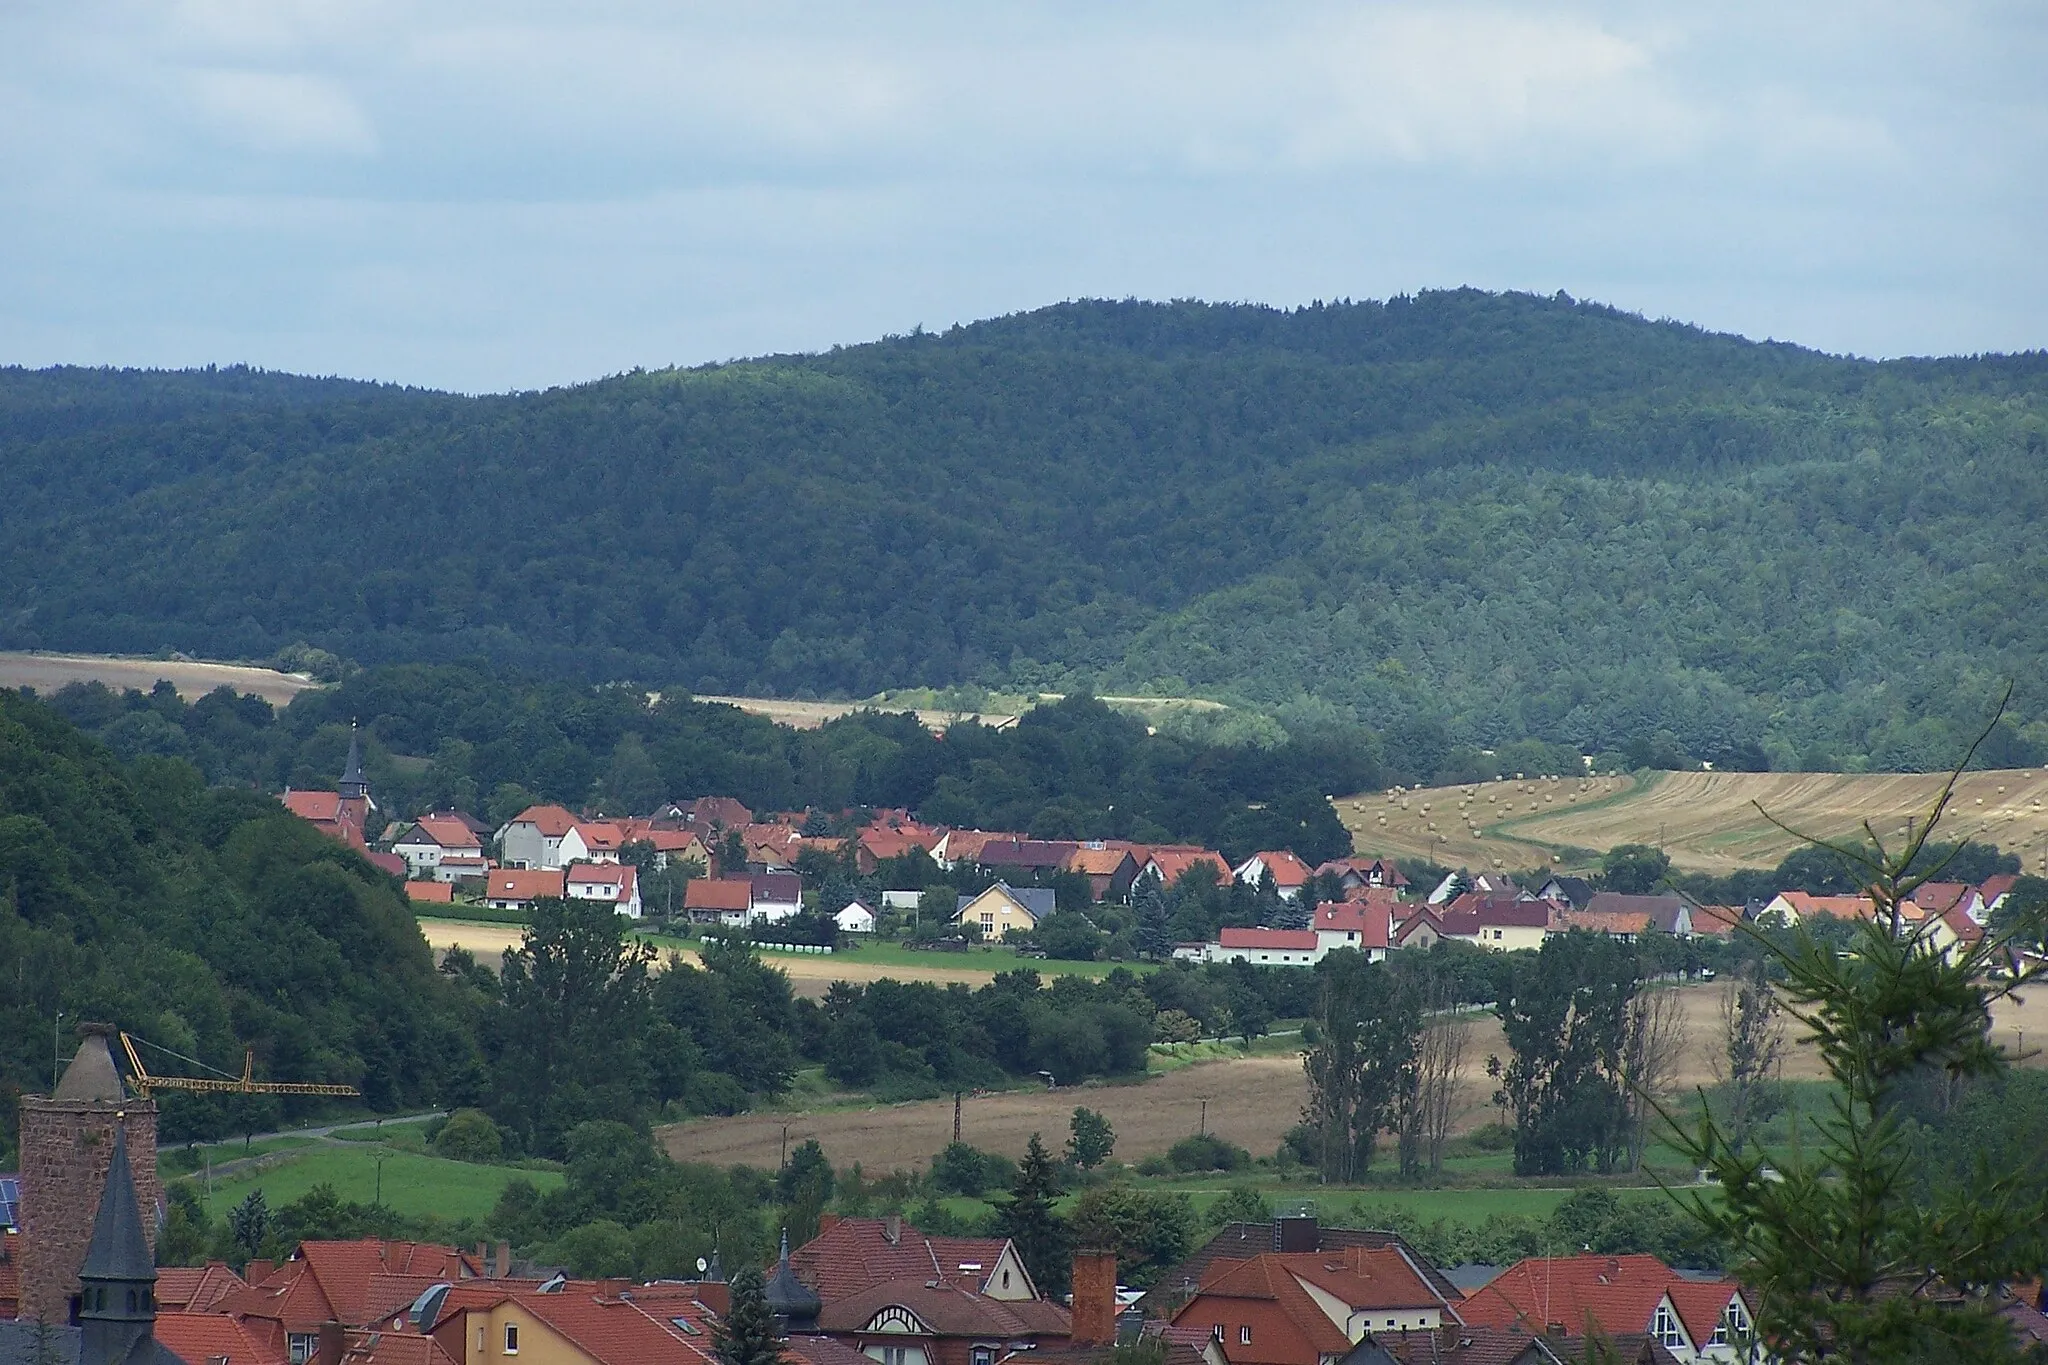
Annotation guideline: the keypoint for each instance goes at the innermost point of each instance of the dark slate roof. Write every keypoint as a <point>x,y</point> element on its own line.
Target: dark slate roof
<point>353,771</point>
<point>118,1250</point>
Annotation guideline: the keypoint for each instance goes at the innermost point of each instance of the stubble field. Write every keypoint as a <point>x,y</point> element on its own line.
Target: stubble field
<point>48,672</point>
<point>1710,822</point>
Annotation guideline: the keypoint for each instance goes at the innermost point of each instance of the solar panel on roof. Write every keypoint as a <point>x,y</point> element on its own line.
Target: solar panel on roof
<point>10,1201</point>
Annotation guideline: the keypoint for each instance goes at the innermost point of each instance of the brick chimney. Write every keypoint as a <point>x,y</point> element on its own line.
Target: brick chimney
<point>332,1340</point>
<point>892,1229</point>
<point>256,1272</point>
<point>503,1267</point>
<point>1094,1297</point>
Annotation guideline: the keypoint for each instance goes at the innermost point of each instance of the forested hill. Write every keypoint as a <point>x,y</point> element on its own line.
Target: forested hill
<point>1457,518</point>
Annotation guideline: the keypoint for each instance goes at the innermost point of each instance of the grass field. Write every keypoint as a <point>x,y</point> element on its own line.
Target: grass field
<point>413,1184</point>
<point>810,974</point>
<point>1706,821</point>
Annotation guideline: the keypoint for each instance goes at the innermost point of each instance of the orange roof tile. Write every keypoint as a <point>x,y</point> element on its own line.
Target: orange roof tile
<point>213,1337</point>
<point>522,883</point>
<point>718,893</point>
<point>552,821</point>
<point>196,1289</point>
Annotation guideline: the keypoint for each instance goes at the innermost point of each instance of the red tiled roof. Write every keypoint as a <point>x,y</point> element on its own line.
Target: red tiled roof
<point>203,1337</point>
<point>1700,1304</point>
<point>1938,898</point>
<point>1282,867</point>
<point>1272,940</point>
<point>446,831</point>
<point>551,821</point>
<point>602,874</point>
<point>1099,862</point>
<point>718,893</point>
<point>1025,852</point>
<point>1994,887</point>
<point>855,1253</point>
<point>1174,863</point>
<point>393,1348</point>
<point>431,893</point>
<point>522,883</point>
<point>196,1289</point>
<point>1717,921</point>
<point>617,1331</point>
<point>315,806</point>
<point>1373,923</point>
<point>1596,1293</point>
<point>389,863</point>
<point>1260,1278</point>
<point>1423,916</point>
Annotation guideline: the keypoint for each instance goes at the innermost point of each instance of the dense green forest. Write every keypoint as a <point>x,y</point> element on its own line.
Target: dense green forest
<point>205,920</point>
<point>488,742</point>
<point>1456,519</point>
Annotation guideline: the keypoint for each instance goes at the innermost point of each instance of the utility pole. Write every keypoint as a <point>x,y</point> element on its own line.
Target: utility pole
<point>782,1152</point>
<point>56,1050</point>
<point>1202,1130</point>
<point>956,1116</point>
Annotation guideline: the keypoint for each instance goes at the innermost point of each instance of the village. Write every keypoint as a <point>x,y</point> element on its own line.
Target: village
<point>746,873</point>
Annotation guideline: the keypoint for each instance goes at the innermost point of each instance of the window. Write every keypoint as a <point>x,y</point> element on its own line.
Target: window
<point>988,923</point>
<point>984,1355</point>
<point>299,1346</point>
<point>1664,1327</point>
<point>1216,1332</point>
<point>1244,1335</point>
<point>511,1338</point>
<point>1006,1279</point>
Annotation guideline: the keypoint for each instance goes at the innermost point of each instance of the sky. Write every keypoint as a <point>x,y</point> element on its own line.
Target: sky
<point>488,196</point>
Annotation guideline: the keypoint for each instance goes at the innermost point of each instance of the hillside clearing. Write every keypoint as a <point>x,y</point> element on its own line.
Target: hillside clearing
<point>1707,822</point>
<point>48,672</point>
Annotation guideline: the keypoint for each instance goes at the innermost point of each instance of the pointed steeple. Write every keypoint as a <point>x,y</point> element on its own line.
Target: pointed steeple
<point>794,1303</point>
<point>116,1298</point>
<point>353,785</point>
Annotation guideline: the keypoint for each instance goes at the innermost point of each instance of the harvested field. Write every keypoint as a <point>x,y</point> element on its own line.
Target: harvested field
<point>1252,1101</point>
<point>48,672</point>
<point>1706,821</point>
<point>809,715</point>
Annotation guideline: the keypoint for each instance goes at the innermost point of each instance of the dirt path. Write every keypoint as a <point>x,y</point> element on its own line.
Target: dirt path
<point>48,672</point>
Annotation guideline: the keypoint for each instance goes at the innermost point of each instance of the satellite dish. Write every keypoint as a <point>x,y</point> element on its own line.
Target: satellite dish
<point>702,1265</point>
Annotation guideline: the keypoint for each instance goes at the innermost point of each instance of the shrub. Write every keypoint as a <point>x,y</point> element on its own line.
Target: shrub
<point>469,1135</point>
<point>1207,1152</point>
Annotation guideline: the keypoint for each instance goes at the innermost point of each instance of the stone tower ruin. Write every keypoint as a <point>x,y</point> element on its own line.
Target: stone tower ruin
<point>67,1143</point>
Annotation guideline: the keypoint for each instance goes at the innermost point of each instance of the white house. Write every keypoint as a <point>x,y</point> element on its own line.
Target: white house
<point>1267,947</point>
<point>776,896</point>
<point>613,882</point>
<point>855,918</point>
<point>1362,926</point>
<point>533,838</point>
<point>442,834</point>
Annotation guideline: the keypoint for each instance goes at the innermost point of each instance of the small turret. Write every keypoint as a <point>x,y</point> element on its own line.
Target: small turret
<point>794,1303</point>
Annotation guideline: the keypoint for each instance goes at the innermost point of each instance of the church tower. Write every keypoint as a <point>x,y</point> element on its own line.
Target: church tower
<point>117,1283</point>
<point>68,1144</point>
<point>353,785</point>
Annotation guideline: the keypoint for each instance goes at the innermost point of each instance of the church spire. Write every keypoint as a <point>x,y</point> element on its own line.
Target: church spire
<point>353,785</point>
<point>116,1298</point>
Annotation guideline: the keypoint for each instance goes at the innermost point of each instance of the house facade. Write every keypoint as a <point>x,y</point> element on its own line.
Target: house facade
<point>1002,908</point>
<point>615,883</point>
<point>533,838</point>
<point>517,888</point>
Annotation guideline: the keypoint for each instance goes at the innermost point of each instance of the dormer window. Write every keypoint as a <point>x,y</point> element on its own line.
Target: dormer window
<point>1664,1327</point>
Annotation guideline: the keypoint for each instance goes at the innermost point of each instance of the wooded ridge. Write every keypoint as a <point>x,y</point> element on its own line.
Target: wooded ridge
<point>1459,519</point>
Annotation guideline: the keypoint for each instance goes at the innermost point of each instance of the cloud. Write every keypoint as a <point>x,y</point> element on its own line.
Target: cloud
<point>281,111</point>
<point>521,192</point>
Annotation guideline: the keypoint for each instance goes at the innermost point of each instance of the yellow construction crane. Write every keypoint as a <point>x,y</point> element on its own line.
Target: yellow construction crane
<point>226,1084</point>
